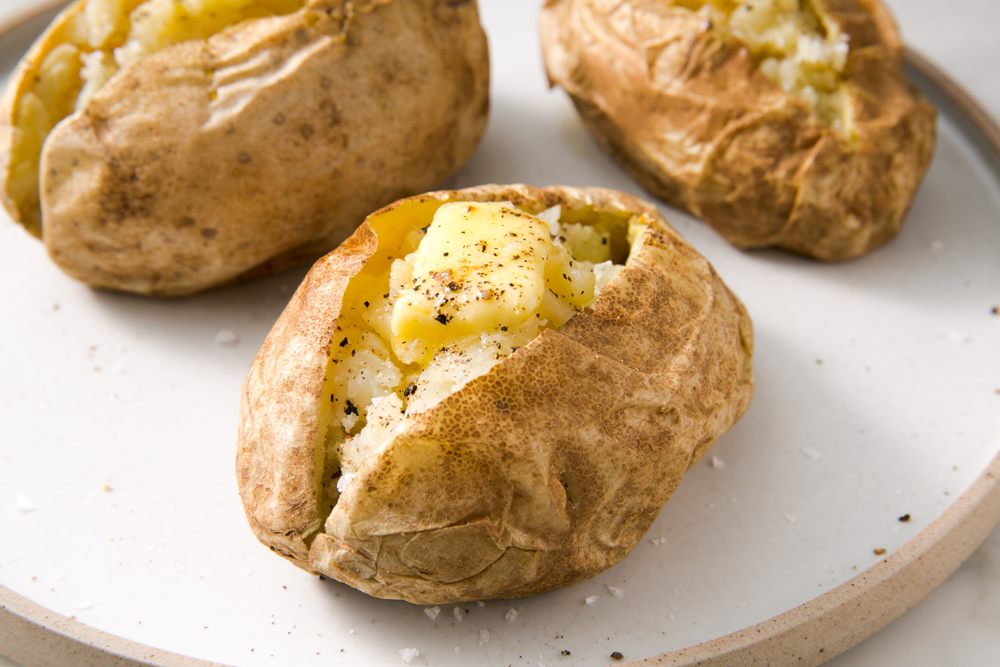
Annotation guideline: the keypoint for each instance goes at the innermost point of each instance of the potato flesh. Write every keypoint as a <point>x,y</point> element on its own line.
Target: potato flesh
<point>794,47</point>
<point>373,348</point>
<point>105,36</point>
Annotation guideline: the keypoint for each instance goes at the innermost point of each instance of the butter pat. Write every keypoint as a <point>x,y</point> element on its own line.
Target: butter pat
<point>480,267</point>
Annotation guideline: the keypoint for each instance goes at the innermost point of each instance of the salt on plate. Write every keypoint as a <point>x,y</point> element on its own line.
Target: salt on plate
<point>408,654</point>
<point>459,614</point>
<point>617,592</point>
<point>83,604</point>
<point>484,636</point>
<point>226,337</point>
<point>23,503</point>
<point>511,615</point>
<point>811,453</point>
<point>432,612</point>
<point>718,463</point>
<point>791,517</point>
<point>591,599</point>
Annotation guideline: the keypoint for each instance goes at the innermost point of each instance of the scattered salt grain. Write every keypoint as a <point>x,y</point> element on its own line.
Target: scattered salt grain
<point>511,615</point>
<point>481,604</point>
<point>670,616</point>
<point>791,517</point>
<point>432,612</point>
<point>937,244</point>
<point>23,503</point>
<point>458,649</point>
<point>659,540</point>
<point>484,636</point>
<point>718,463</point>
<point>247,573</point>
<point>741,605</point>
<point>226,337</point>
<point>150,547</point>
<point>591,599</point>
<point>811,453</point>
<point>957,337</point>
<point>408,654</point>
<point>617,592</point>
<point>83,605</point>
<point>459,614</point>
<point>344,481</point>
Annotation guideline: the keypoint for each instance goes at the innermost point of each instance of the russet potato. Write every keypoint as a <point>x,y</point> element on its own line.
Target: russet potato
<point>785,123</point>
<point>168,146</point>
<point>488,393</point>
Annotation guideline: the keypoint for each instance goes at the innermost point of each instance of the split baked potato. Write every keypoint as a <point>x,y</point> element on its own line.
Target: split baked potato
<point>167,146</point>
<point>488,393</point>
<point>784,123</point>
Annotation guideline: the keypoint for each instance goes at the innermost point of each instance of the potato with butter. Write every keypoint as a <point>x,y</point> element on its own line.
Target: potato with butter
<point>168,146</point>
<point>786,123</point>
<point>488,393</point>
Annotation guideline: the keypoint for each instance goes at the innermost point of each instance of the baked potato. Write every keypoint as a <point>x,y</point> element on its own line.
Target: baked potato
<point>785,123</point>
<point>168,146</point>
<point>488,393</point>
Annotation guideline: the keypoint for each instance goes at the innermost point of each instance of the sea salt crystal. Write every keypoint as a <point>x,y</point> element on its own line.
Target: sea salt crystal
<point>718,463</point>
<point>247,573</point>
<point>791,517</point>
<point>83,605</point>
<point>937,244</point>
<point>226,337</point>
<point>957,337</point>
<point>458,649</point>
<point>481,603</point>
<point>432,612</point>
<point>617,592</point>
<point>408,654</point>
<point>459,614</point>
<point>591,599</point>
<point>484,636</point>
<point>511,615</point>
<point>23,503</point>
<point>811,453</point>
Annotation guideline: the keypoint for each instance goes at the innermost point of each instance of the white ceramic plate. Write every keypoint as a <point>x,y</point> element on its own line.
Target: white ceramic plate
<point>877,397</point>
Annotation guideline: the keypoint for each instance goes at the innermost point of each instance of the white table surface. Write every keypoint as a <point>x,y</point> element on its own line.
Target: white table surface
<point>959,622</point>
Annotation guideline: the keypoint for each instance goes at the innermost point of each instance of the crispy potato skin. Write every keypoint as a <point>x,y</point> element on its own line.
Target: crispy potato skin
<point>214,161</point>
<point>537,475</point>
<point>688,115</point>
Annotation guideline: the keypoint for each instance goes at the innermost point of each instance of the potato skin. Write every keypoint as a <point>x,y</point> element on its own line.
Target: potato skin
<point>688,114</point>
<point>537,475</point>
<point>214,161</point>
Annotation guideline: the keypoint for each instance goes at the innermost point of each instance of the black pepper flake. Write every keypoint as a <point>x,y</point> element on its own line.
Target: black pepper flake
<point>353,352</point>
<point>410,390</point>
<point>442,318</point>
<point>564,652</point>
<point>453,287</point>
<point>350,409</point>
<point>617,656</point>
<point>604,242</point>
<point>503,328</point>
<point>424,229</point>
<point>905,518</point>
<point>513,350</point>
<point>996,310</point>
<point>343,343</point>
<point>385,296</point>
<point>367,304</point>
<point>446,254</point>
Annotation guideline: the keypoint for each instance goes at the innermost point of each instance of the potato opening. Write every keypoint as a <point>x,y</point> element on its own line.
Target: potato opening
<point>794,45</point>
<point>99,38</point>
<point>452,290</point>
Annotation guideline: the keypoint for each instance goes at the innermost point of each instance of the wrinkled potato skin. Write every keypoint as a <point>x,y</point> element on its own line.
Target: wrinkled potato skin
<point>691,118</point>
<point>537,475</point>
<point>318,118</point>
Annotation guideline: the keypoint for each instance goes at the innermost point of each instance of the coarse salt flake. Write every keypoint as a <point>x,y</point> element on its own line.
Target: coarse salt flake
<point>484,636</point>
<point>811,453</point>
<point>226,337</point>
<point>83,604</point>
<point>591,599</point>
<point>459,614</point>
<point>718,463</point>
<point>432,612</point>
<point>791,517</point>
<point>23,503</point>
<point>617,592</point>
<point>408,654</point>
<point>511,615</point>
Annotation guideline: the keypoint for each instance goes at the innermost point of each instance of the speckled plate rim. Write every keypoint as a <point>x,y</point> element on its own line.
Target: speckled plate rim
<point>807,635</point>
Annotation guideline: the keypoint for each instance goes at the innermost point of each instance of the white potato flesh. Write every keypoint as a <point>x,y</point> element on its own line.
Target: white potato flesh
<point>795,48</point>
<point>431,341</point>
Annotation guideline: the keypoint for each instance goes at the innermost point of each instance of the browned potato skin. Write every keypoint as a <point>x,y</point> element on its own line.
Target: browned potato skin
<point>157,188</point>
<point>538,475</point>
<point>698,125</point>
